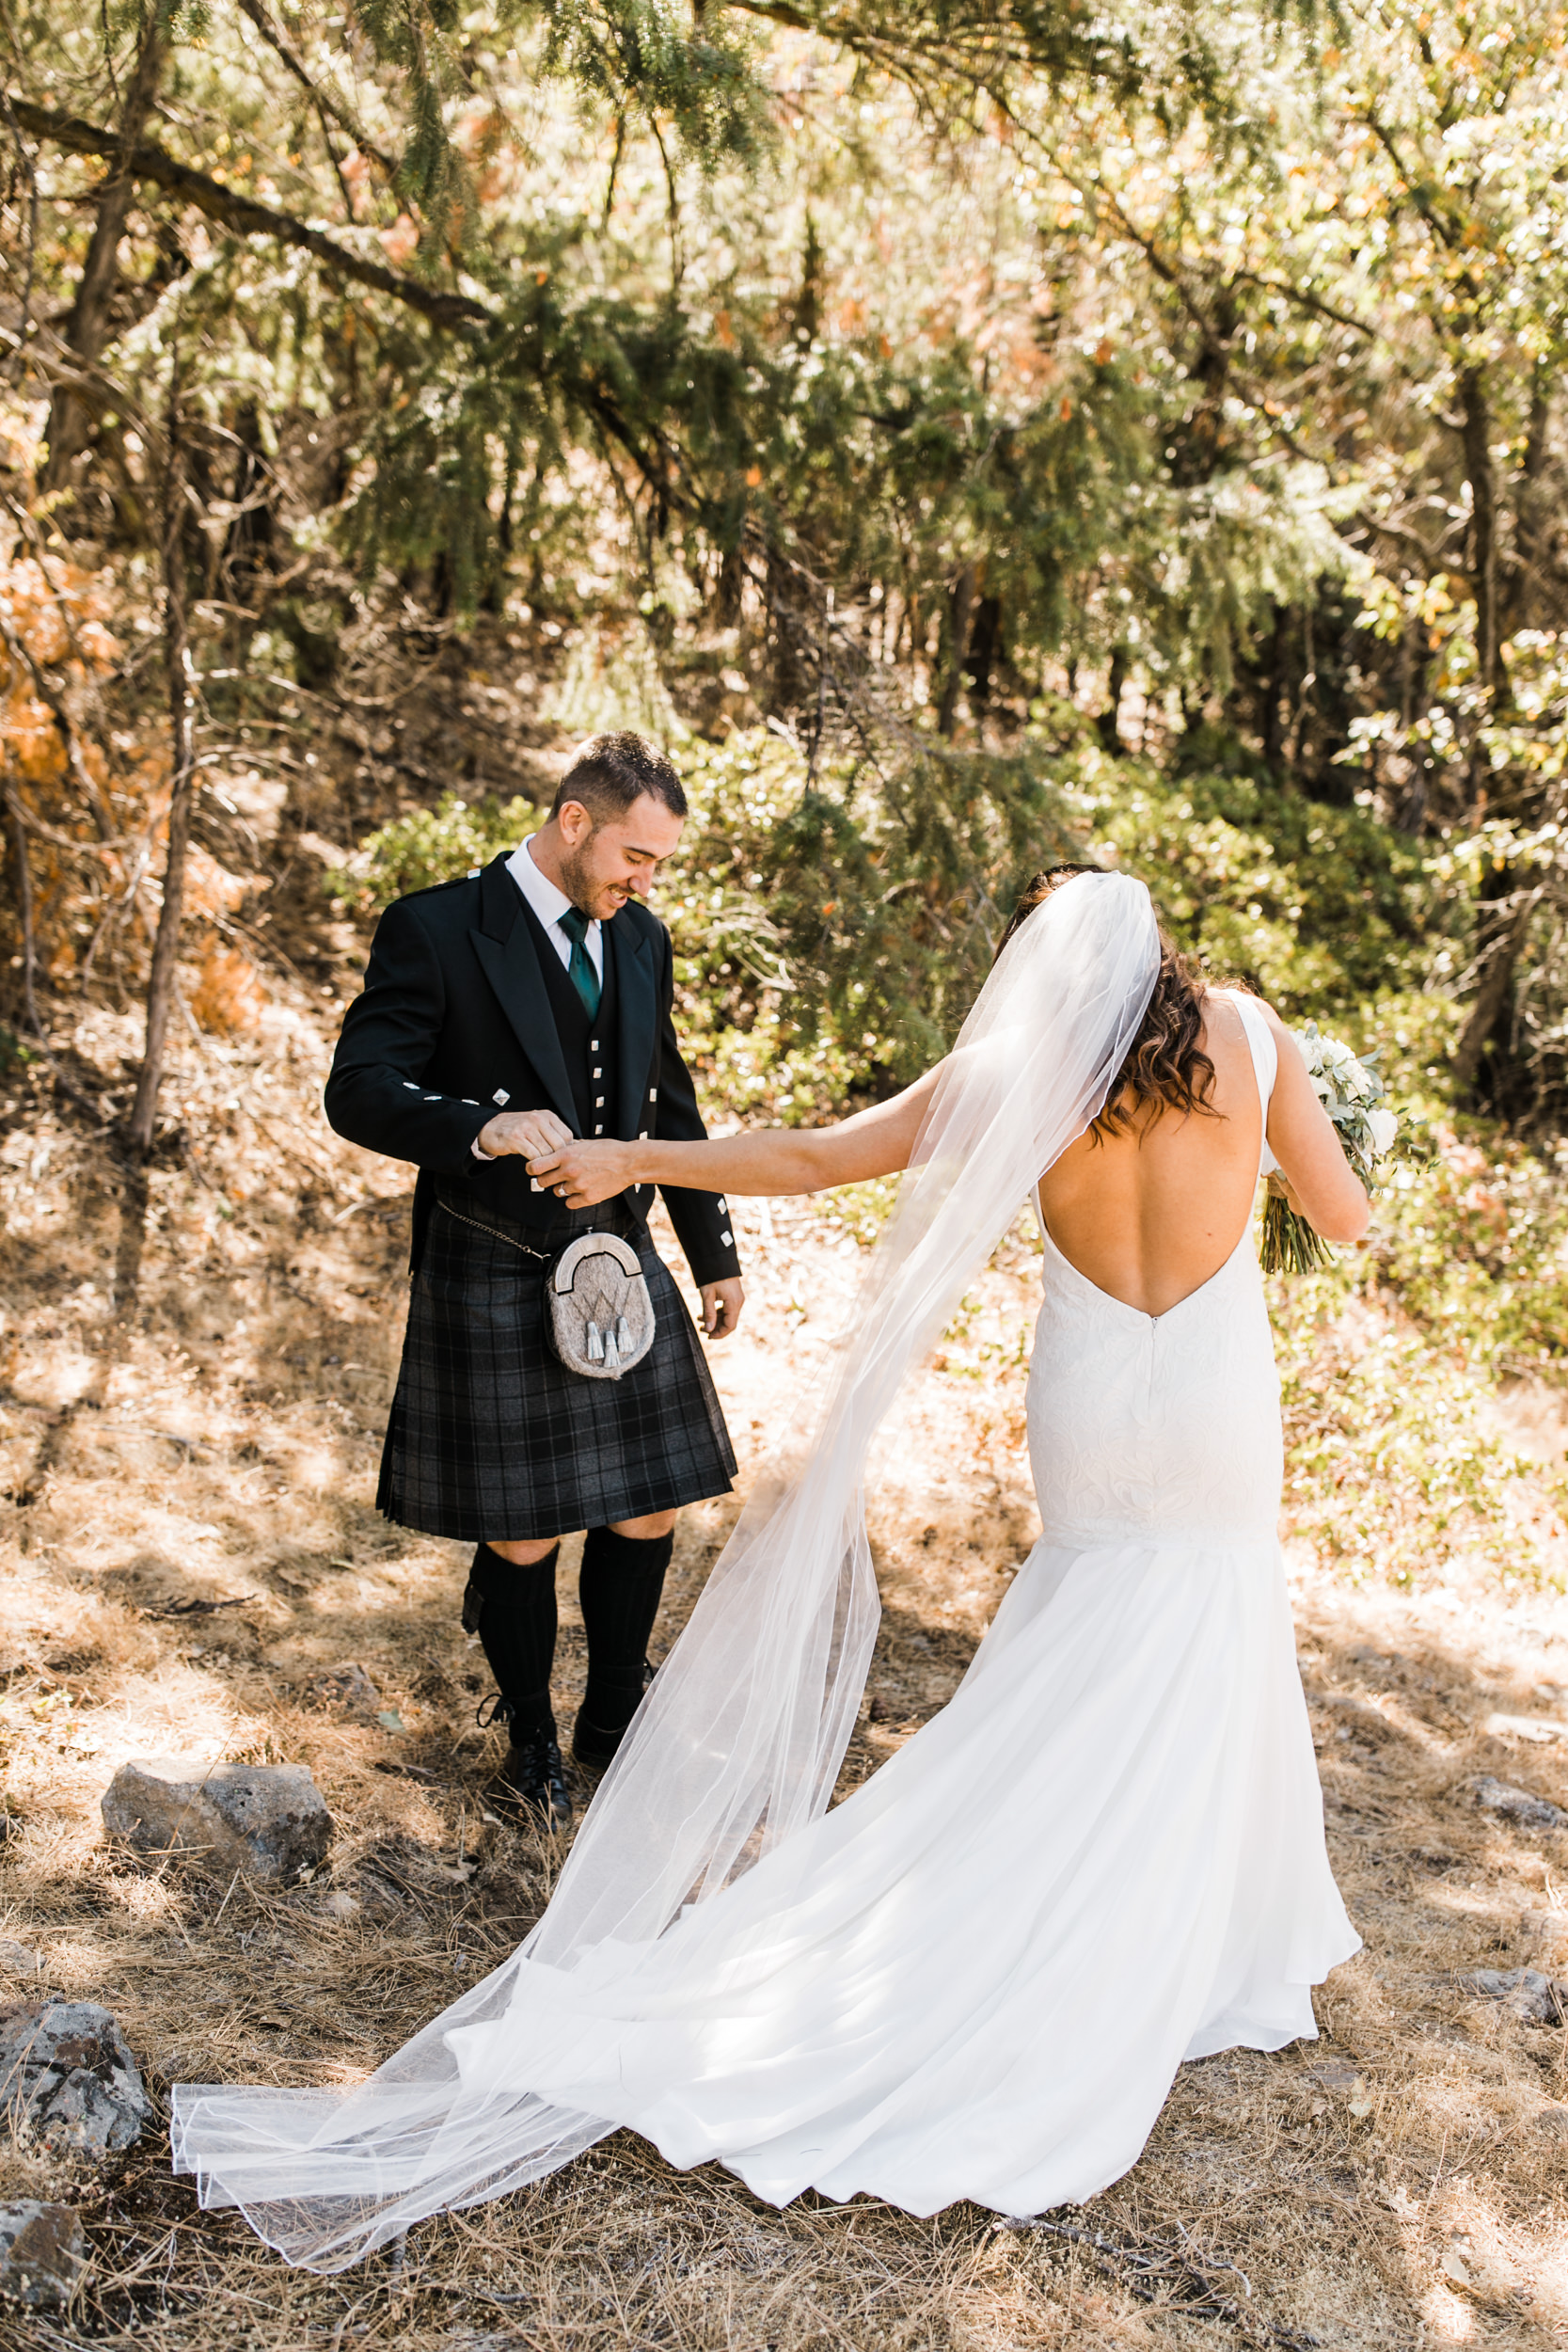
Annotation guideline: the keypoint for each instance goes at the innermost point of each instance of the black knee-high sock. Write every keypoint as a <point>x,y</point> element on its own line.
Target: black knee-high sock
<point>622,1576</point>
<point>513,1611</point>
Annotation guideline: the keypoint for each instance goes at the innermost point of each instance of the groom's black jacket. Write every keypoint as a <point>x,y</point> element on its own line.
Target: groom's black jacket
<point>456,1021</point>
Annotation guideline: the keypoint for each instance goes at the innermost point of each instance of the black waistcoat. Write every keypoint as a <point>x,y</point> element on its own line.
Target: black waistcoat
<point>590,1048</point>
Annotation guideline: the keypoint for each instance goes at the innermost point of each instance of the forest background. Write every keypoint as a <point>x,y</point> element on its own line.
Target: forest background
<point>968,432</point>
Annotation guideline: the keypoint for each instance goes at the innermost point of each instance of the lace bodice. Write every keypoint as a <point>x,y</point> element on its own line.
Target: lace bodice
<point>1159,1422</point>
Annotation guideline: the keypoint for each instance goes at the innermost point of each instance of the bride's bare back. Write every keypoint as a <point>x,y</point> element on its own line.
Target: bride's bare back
<point>1148,1214</point>
<point>1151,1215</point>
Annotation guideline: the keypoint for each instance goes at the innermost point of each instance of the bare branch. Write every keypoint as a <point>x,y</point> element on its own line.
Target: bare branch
<point>24,909</point>
<point>245,217</point>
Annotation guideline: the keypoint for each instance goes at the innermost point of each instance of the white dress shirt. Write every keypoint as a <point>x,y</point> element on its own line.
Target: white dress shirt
<point>550,904</point>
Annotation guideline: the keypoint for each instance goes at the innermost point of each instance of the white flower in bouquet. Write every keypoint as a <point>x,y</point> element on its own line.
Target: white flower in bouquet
<point>1353,1094</point>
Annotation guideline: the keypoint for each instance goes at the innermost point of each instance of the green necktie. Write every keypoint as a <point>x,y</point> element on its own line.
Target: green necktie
<point>580,970</point>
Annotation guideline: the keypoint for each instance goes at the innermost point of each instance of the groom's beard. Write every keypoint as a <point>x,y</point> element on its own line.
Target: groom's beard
<point>592,897</point>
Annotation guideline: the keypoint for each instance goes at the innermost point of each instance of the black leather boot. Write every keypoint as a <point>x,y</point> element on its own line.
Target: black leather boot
<point>513,1611</point>
<point>529,1790</point>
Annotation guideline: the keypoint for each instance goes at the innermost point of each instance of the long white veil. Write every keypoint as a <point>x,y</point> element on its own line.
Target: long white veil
<point>739,1741</point>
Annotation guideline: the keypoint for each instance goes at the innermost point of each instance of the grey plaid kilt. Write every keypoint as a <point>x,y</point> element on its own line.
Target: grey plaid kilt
<point>492,1439</point>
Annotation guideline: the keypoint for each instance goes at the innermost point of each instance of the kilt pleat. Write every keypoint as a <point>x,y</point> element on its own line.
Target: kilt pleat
<point>492,1439</point>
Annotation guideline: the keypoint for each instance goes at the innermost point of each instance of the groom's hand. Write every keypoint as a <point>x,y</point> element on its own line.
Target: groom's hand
<point>722,1305</point>
<point>522,1134</point>
<point>582,1175</point>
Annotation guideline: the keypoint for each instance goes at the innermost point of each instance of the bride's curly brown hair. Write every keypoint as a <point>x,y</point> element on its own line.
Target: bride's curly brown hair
<point>1165,1069</point>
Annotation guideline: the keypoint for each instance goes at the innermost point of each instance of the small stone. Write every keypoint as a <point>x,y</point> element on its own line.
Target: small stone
<point>1553,2118</point>
<point>267,1820</point>
<point>17,1960</point>
<point>42,2255</point>
<point>345,1690</point>
<point>1456,2269</point>
<point>1537,1728</point>
<point>1516,1804</point>
<point>1534,1999</point>
<point>1333,2073</point>
<point>68,2078</point>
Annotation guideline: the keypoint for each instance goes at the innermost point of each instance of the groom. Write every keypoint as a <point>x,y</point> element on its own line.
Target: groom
<point>501,1016</point>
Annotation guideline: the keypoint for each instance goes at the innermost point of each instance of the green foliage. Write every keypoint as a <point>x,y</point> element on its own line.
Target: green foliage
<point>637,54</point>
<point>430,845</point>
<point>15,1054</point>
<point>859,907</point>
<point>883,895</point>
<point>1474,1243</point>
<point>1320,907</point>
<point>1394,1464</point>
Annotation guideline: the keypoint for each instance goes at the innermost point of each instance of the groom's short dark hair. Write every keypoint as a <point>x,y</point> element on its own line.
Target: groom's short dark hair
<point>609,772</point>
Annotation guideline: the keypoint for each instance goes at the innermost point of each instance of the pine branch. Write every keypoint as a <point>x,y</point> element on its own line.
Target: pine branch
<point>245,217</point>
<point>277,40</point>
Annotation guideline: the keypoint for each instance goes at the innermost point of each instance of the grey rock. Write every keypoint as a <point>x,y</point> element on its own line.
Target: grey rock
<point>68,2078</point>
<point>42,2255</point>
<point>346,1690</point>
<point>1535,1999</point>
<point>267,1820</point>
<point>1516,1804</point>
<point>1332,2074</point>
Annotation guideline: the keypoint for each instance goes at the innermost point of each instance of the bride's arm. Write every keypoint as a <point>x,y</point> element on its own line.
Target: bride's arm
<point>1323,1185</point>
<point>874,1142</point>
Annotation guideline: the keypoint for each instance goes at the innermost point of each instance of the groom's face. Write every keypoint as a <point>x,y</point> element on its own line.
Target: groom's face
<point>602,867</point>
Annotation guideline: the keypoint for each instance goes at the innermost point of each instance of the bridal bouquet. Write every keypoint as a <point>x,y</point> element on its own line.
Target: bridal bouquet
<point>1352,1093</point>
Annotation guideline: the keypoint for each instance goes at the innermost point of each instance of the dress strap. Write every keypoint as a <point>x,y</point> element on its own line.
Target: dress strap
<point>1265,1061</point>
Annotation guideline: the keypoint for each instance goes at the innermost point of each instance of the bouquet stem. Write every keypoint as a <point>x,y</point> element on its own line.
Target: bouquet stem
<point>1290,1245</point>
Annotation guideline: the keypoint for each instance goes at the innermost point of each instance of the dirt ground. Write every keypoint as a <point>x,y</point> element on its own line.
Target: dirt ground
<point>194,1370</point>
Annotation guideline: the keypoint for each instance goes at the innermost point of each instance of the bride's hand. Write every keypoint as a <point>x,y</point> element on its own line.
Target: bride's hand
<point>583,1174</point>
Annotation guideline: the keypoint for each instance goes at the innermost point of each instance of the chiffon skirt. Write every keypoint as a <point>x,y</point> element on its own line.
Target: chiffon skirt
<point>977,1977</point>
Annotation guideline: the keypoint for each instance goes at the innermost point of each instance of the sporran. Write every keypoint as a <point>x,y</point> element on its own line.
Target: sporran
<point>598,1310</point>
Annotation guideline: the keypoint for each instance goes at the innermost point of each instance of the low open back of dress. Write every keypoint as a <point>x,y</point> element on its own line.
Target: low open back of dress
<point>1265,1066</point>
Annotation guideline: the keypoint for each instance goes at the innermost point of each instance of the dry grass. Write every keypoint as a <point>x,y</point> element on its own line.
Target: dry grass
<point>192,1381</point>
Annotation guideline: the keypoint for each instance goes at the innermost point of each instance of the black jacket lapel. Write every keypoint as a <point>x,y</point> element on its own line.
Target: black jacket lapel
<point>637,1023</point>
<point>507,956</point>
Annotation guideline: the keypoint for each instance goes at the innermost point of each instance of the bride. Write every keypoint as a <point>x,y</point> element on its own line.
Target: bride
<point>977,1976</point>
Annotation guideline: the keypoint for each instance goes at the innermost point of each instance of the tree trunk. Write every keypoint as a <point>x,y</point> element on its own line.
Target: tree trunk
<point>786,628</point>
<point>1532,515</point>
<point>165,948</point>
<point>86,328</point>
<point>985,650</point>
<point>960,605</point>
<point>1275,686</point>
<point>1483,518</point>
<point>1105,724</point>
<point>729,600</point>
<point>24,911</point>
<point>1499,935</point>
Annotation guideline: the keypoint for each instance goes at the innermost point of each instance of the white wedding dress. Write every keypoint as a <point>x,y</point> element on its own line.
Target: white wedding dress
<point>977,1976</point>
